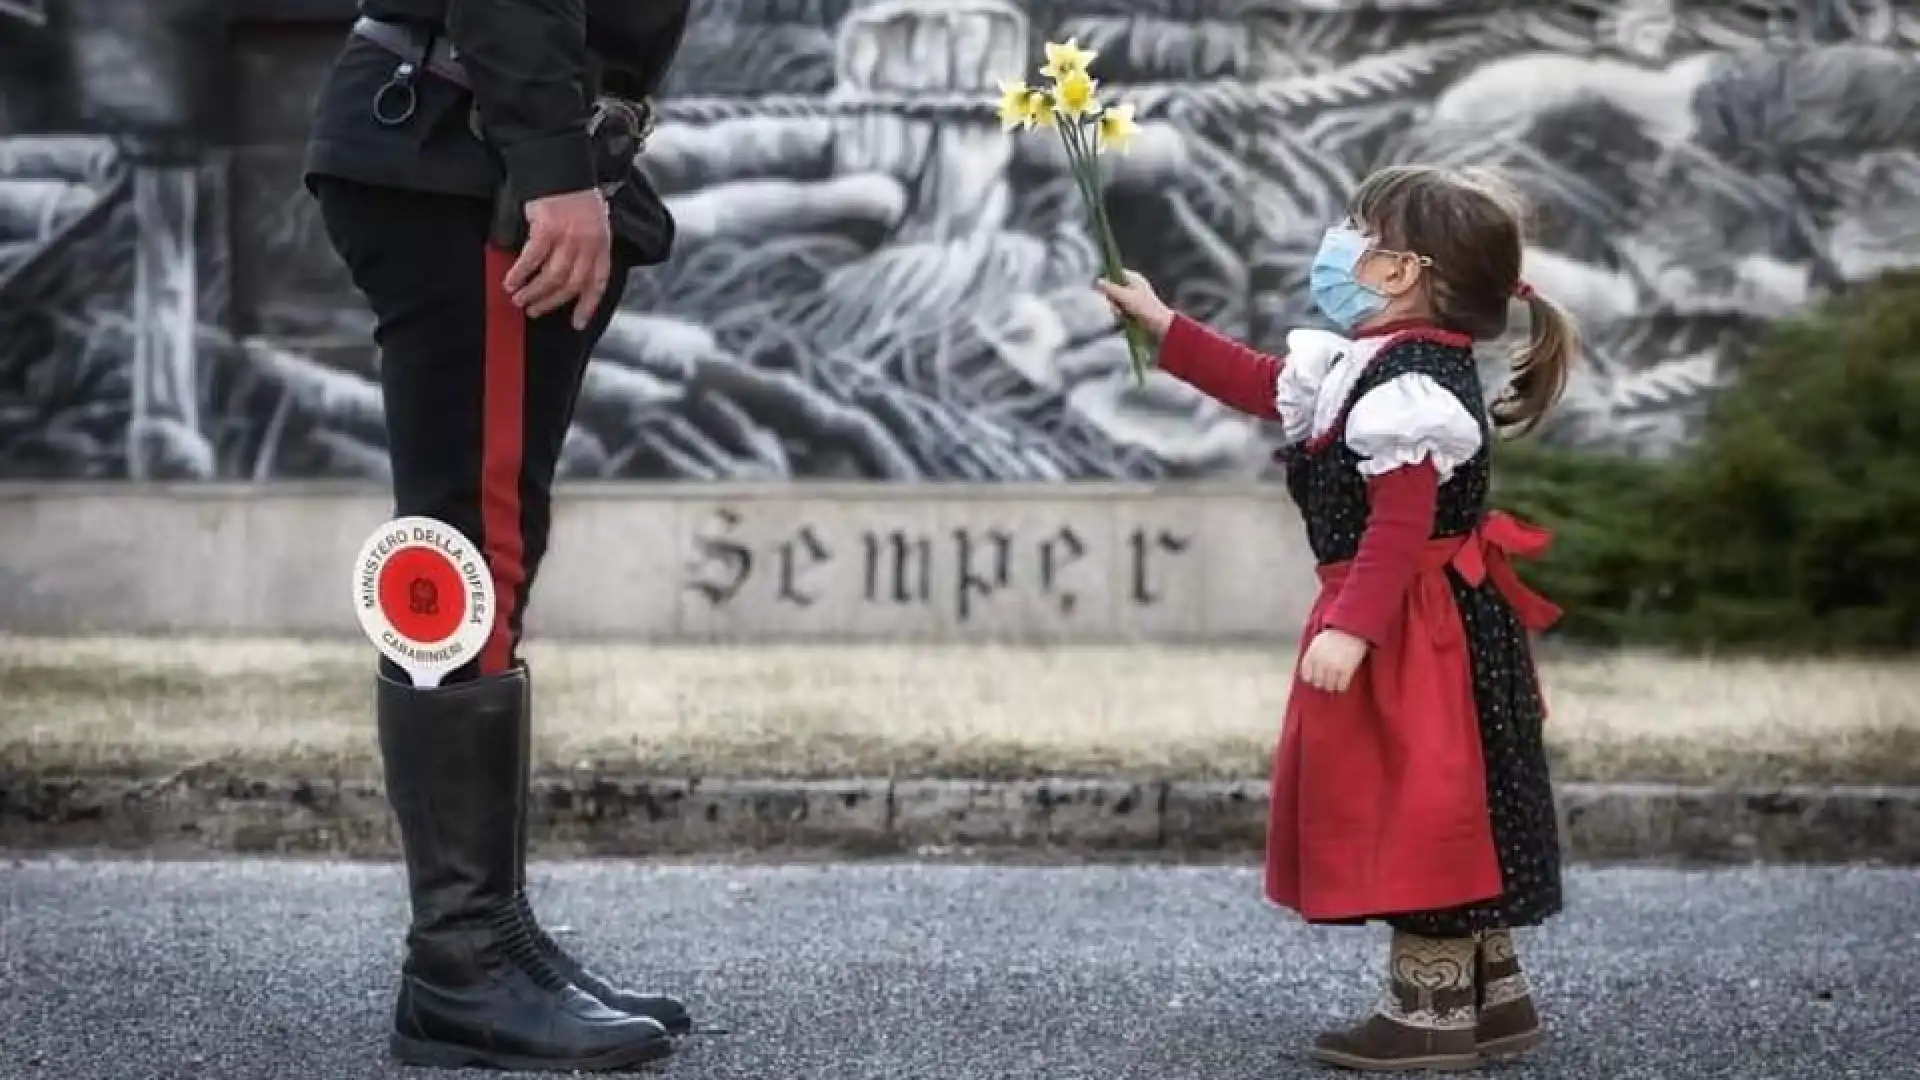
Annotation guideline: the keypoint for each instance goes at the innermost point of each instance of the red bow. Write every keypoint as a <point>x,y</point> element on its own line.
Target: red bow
<point>1487,553</point>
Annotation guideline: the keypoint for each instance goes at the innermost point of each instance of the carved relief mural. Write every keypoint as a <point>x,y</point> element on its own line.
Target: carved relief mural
<point>874,282</point>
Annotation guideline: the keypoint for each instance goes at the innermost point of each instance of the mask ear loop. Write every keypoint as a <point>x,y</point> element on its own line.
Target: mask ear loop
<point>1425,262</point>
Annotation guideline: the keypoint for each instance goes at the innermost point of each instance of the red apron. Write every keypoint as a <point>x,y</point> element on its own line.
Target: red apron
<point>1379,793</point>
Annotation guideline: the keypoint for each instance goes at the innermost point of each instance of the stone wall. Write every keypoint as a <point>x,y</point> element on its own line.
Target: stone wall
<point>690,562</point>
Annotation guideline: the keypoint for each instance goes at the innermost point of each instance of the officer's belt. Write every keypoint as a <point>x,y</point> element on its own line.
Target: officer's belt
<point>407,42</point>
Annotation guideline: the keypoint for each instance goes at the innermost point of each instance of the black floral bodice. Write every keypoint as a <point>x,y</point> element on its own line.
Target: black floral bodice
<point>1331,492</point>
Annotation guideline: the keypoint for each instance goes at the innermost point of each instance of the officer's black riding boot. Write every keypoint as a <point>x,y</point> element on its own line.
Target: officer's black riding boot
<point>670,1012</point>
<point>476,989</point>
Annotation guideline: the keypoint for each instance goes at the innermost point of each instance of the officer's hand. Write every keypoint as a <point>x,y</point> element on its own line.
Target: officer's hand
<point>568,256</point>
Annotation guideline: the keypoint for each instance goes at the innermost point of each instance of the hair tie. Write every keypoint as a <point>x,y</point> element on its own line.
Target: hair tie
<point>1522,291</point>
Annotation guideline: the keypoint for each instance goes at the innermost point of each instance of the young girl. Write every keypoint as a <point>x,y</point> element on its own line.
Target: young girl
<point>1410,784</point>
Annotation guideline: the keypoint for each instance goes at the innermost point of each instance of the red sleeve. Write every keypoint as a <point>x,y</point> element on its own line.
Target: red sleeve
<point>1399,521</point>
<point>1221,367</point>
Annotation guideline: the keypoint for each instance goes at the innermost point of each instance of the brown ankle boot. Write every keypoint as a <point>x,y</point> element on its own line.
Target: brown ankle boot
<point>1424,1019</point>
<point>1509,1024</point>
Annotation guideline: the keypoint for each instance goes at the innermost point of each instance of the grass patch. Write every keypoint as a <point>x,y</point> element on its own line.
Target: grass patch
<point>115,705</point>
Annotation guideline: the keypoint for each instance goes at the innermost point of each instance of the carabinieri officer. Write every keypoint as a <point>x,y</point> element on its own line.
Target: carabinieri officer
<point>474,163</point>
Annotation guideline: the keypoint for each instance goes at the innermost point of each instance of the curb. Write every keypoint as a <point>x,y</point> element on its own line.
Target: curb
<point>214,809</point>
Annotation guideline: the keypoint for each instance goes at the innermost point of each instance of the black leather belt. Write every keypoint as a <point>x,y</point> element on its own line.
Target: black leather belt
<point>409,43</point>
<point>417,49</point>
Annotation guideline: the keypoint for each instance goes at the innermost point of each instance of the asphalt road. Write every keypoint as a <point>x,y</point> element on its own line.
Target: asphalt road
<point>261,970</point>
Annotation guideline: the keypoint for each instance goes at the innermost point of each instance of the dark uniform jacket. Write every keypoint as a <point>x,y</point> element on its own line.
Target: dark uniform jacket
<point>535,66</point>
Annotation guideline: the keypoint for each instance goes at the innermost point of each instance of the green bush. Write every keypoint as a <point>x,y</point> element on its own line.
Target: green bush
<point>1794,523</point>
<point>1601,567</point>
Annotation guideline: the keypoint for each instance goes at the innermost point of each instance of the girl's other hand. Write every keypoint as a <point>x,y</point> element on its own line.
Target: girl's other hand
<point>1331,659</point>
<point>1137,298</point>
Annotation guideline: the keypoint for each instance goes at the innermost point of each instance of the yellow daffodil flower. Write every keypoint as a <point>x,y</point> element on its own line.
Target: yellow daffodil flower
<point>1039,109</point>
<point>1016,105</point>
<point>1117,129</point>
<point>1073,93</point>
<point>1074,97</point>
<point>1064,60</point>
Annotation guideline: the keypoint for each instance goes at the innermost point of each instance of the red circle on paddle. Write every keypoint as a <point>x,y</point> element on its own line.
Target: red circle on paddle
<point>421,595</point>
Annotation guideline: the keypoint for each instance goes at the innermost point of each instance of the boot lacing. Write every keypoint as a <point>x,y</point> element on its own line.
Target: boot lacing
<point>531,927</point>
<point>518,944</point>
<point>541,938</point>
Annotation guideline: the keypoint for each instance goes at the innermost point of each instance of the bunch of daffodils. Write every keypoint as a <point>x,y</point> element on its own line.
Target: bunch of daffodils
<point>1069,103</point>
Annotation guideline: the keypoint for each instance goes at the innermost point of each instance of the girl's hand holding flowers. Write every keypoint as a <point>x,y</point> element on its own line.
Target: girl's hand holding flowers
<point>1331,659</point>
<point>1137,299</point>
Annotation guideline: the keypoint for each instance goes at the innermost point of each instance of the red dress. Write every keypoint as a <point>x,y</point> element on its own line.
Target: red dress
<point>1382,804</point>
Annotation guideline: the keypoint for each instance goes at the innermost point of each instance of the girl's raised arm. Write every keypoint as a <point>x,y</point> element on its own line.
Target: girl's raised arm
<point>1222,368</point>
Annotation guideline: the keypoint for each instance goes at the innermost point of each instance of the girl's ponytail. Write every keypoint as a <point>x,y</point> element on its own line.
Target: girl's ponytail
<point>1540,367</point>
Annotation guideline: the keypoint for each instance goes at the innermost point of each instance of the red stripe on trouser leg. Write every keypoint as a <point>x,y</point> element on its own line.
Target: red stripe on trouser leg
<point>502,444</point>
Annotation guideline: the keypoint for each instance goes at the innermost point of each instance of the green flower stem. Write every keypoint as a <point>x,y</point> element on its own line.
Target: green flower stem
<point>1083,162</point>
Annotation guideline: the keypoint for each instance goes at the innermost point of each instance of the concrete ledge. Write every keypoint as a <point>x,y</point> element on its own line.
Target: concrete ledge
<point>584,813</point>
<point>690,562</point>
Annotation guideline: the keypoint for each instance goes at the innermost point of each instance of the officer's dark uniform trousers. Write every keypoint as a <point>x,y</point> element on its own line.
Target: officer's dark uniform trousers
<point>478,400</point>
<point>478,396</point>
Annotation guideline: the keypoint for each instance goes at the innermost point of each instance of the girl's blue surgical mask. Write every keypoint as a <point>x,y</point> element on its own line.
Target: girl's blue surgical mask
<point>1336,292</point>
